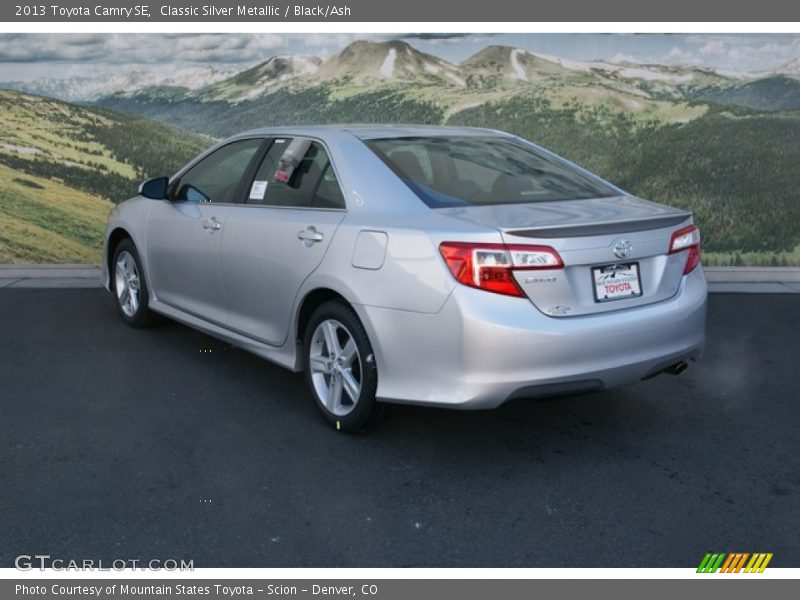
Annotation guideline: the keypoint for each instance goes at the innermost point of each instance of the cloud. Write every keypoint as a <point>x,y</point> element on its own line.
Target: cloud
<point>328,40</point>
<point>680,56</point>
<point>443,36</point>
<point>117,48</point>
<point>436,39</point>
<point>621,57</point>
<point>741,52</point>
<point>714,48</point>
<point>434,36</point>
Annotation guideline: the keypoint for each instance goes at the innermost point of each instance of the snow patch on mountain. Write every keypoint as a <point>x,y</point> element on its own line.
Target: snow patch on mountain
<point>572,65</point>
<point>456,79</point>
<point>387,68</point>
<point>653,75</point>
<point>518,69</point>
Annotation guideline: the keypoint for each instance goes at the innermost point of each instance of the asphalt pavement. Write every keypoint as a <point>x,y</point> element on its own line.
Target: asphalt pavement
<point>124,444</point>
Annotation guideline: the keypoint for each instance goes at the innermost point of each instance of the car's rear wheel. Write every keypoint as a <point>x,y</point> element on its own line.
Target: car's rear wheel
<point>129,286</point>
<point>340,368</point>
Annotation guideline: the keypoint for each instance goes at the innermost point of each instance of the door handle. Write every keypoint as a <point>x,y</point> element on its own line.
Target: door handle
<point>309,235</point>
<point>211,225</point>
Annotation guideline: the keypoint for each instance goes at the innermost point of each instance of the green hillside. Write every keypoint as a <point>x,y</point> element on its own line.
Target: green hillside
<point>61,168</point>
<point>771,93</point>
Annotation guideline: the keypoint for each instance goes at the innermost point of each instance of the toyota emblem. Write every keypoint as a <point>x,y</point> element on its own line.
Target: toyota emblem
<point>622,248</point>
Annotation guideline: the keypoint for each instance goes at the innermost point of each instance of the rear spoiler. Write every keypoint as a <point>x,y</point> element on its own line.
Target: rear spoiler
<point>603,228</point>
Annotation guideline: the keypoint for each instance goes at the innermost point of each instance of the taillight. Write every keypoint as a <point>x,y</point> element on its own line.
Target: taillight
<point>490,266</point>
<point>687,238</point>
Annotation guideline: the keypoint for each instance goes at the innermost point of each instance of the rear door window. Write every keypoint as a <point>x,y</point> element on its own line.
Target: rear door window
<point>291,179</point>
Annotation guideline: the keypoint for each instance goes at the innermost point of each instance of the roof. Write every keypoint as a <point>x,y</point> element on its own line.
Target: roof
<point>374,131</point>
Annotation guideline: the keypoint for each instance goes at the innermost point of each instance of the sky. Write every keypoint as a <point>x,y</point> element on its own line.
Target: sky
<point>27,56</point>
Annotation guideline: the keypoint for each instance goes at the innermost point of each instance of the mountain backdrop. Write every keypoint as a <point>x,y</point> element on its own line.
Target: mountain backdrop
<point>725,145</point>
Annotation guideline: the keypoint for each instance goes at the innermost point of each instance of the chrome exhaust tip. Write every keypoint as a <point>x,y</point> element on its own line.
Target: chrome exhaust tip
<point>677,368</point>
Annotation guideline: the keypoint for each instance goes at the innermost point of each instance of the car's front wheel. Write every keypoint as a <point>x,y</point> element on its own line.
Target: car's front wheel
<point>340,368</point>
<point>129,286</point>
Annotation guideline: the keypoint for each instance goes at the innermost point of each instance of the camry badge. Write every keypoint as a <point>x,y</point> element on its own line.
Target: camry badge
<point>622,248</point>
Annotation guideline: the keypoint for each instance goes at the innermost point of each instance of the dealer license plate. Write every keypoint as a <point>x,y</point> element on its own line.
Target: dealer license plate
<point>616,282</point>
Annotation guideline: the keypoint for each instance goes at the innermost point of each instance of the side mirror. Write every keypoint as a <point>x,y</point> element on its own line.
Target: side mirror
<point>155,189</point>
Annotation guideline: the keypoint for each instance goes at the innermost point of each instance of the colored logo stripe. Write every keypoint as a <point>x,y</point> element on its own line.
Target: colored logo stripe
<point>710,562</point>
<point>758,563</point>
<point>734,562</point>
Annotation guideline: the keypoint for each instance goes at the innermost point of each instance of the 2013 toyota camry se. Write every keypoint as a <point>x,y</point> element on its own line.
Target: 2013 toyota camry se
<point>454,267</point>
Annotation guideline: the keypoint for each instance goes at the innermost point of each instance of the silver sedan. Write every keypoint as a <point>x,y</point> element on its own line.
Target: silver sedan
<point>452,267</point>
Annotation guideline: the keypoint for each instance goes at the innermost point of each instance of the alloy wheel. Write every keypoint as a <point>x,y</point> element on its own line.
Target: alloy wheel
<point>126,279</point>
<point>336,370</point>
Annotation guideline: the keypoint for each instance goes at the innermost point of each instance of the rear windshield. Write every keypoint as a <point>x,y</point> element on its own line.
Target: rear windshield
<point>460,171</point>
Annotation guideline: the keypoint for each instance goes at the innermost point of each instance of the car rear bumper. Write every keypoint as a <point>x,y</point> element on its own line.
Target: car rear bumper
<point>483,349</point>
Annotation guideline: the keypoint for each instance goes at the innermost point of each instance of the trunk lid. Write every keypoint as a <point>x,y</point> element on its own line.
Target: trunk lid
<point>585,233</point>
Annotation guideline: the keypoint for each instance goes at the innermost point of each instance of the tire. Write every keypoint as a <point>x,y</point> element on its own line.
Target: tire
<point>129,287</point>
<point>350,368</point>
